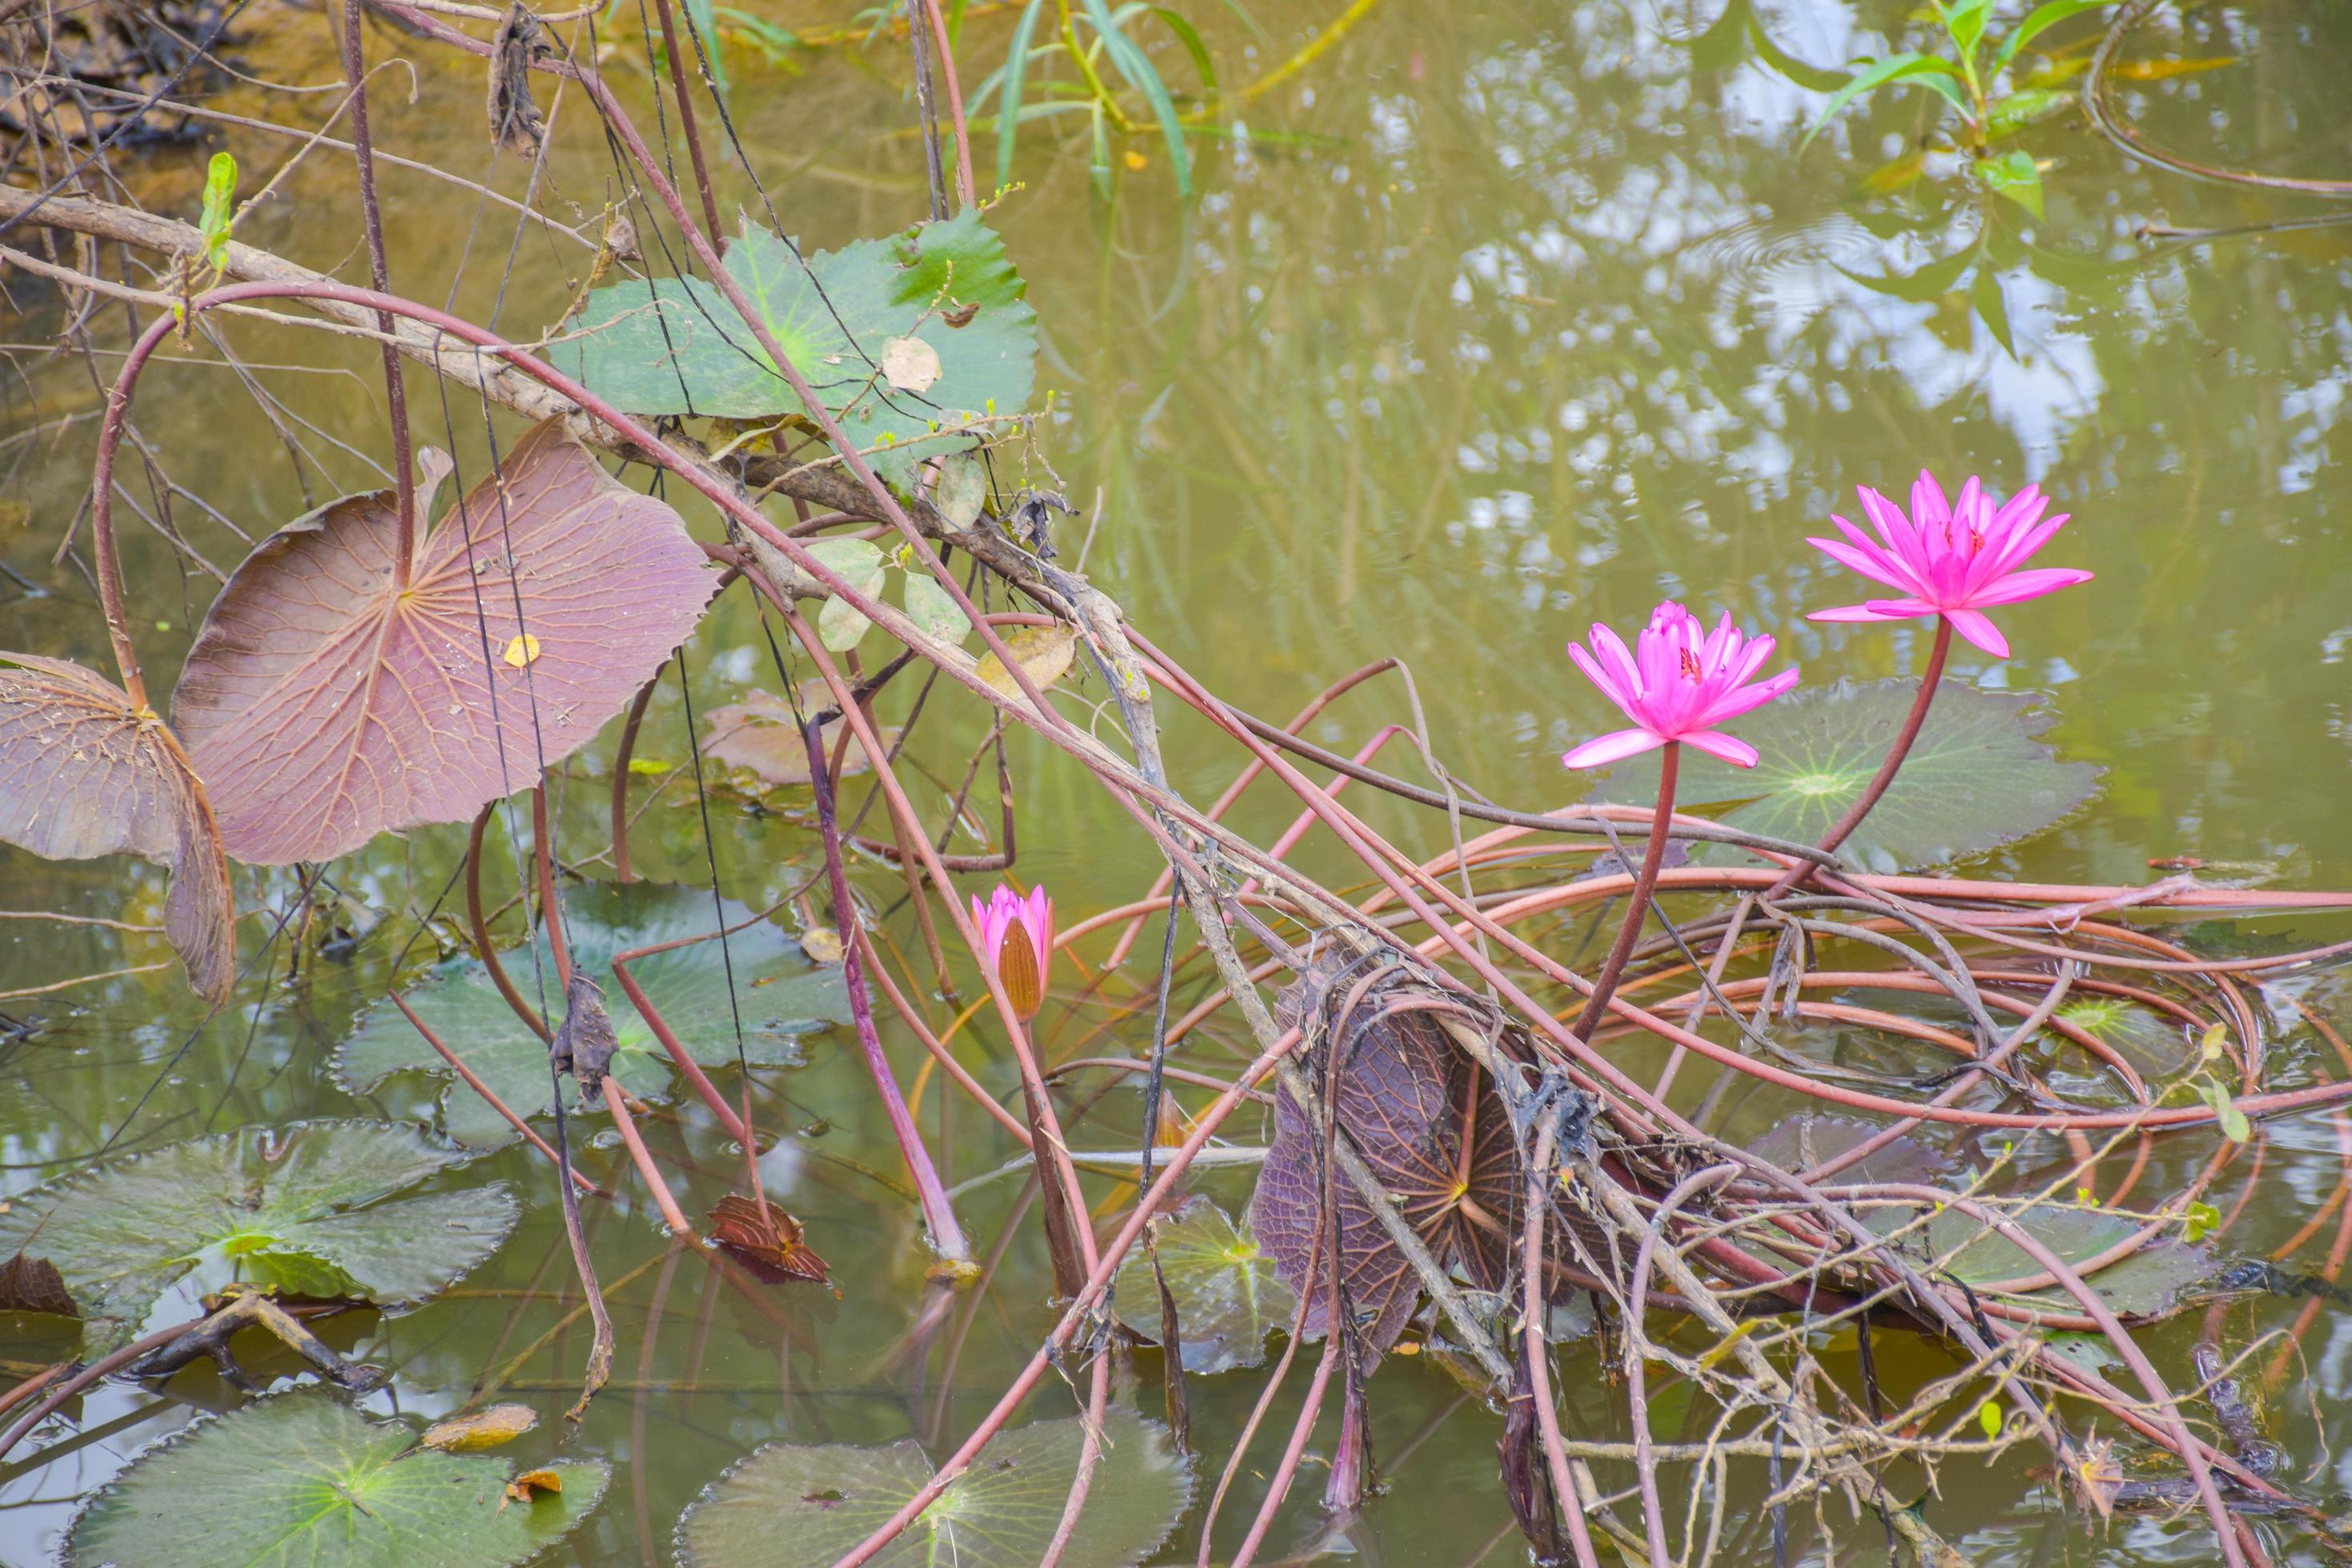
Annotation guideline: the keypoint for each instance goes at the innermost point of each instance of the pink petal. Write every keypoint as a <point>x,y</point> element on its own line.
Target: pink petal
<point>1613,747</point>
<point>2027,543</point>
<point>1978,629</point>
<point>1616,690</point>
<point>1730,748</point>
<point>1848,613</point>
<point>1611,650</point>
<point>1748,697</point>
<point>2029,584</point>
<point>1903,610</point>
<point>1888,519</point>
<point>1928,507</point>
<point>1879,568</point>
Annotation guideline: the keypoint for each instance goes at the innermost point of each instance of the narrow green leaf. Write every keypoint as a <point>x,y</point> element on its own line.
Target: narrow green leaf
<point>2020,108</point>
<point>1008,114</point>
<point>1988,1417</point>
<point>2040,20</point>
<point>701,17</point>
<point>1893,68</point>
<point>1189,36</point>
<point>2234,1125</point>
<point>1132,65</point>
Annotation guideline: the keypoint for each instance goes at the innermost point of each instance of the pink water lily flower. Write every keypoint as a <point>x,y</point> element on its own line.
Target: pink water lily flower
<point>1679,682</point>
<point>1016,941</point>
<point>1956,561</point>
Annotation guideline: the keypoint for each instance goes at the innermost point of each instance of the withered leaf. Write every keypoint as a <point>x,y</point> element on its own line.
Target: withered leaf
<point>84,773</point>
<point>531,1483</point>
<point>324,704</point>
<point>1432,1132</point>
<point>34,1284</point>
<point>485,1428</point>
<point>1043,654</point>
<point>767,1243</point>
<point>515,122</point>
<point>760,733</point>
<point>584,1042</point>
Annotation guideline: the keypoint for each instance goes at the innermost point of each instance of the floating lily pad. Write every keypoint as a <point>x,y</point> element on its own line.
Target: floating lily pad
<point>1977,777</point>
<point>780,994</point>
<point>302,1477</point>
<point>1228,1295</point>
<point>1805,1142</point>
<point>308,1206</point>
<point>2143,1284</point>
<point>796,1507</point>
<point>674,345</point>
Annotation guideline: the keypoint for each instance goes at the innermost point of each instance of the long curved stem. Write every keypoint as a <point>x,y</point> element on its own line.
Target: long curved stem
<point>1843,828</point>
<point>1653,855</point>
<point>395,389</point>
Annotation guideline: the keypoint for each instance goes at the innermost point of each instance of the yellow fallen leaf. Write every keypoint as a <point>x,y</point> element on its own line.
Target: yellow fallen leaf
<point>531,1483</point>
<point>1043,654</point>
<point>523,650</point>
<point>822,943</point>
<point>485,1428</point>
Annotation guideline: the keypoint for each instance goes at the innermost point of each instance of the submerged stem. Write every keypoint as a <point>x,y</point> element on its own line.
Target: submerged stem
<point>1637,904</point>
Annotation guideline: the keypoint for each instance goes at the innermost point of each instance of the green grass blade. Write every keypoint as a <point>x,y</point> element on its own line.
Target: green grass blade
<point>2040,20</point>
<point>1137,70</point>
<point>1008,114</point>
<point>1893,68</point>
<point>1189,36</point>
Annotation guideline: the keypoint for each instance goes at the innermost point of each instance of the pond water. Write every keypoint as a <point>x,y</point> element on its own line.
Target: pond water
<point>1488,322</point>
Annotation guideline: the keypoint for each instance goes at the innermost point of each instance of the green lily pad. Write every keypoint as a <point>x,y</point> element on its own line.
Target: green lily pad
<point>804,1507</point>
<point>307,1206</point>
<point>1979,776</point>
<point>674,345</point>
<point>301,1478</point>
<point>782,995</point>
<point>2143,1284</point>
<point>1228,1296</point>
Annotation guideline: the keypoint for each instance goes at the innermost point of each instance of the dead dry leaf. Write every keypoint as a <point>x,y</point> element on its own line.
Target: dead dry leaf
<point>910,364</point>
<point>485,1428</point>
<point>1043,652</point>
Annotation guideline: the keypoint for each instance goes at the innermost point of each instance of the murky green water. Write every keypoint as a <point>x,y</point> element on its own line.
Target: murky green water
<point>1496,320</point>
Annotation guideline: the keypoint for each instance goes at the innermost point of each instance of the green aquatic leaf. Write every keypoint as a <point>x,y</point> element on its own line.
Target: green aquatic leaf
<point>674,345</point>
<point>1016,70</point>
<point>1136,68</point>
<point>220,190</point>
<point>1977,777</point>
<point>2144,1283</point>
<point>792,1506</point>
<point>301,1477</point>
<point>2011,175</point>
<point>309,1206</point>
<point>781,996</point>
<point>1228,1295</point>
<point>2022,108</point>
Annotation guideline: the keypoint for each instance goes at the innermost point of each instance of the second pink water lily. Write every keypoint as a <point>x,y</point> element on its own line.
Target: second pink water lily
<point>1955,560</point>
<point>1677,683</point>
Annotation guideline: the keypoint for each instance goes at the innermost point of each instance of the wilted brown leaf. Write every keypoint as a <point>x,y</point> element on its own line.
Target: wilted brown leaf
<point>323,705</point>
<point>584,1042</point>
<point>910,364</point>
<point>760,734</point>
<point>34,1284</point>
<point>1043,654</point>
<point>485,1428</point>
<point>531,1483</point>
<point>83,773</point>
<point>770,1244</point>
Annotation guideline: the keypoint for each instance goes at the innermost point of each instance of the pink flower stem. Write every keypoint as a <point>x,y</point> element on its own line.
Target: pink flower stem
<point>1843,828</point>
<point>618,1102</point>
<point>1654,855</point>
<point>938,1211</point>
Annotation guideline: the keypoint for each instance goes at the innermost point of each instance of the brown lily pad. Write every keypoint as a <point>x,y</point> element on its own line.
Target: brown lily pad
<point>84,772</point>
<point>324,705</point>
<point>34,1284</point>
